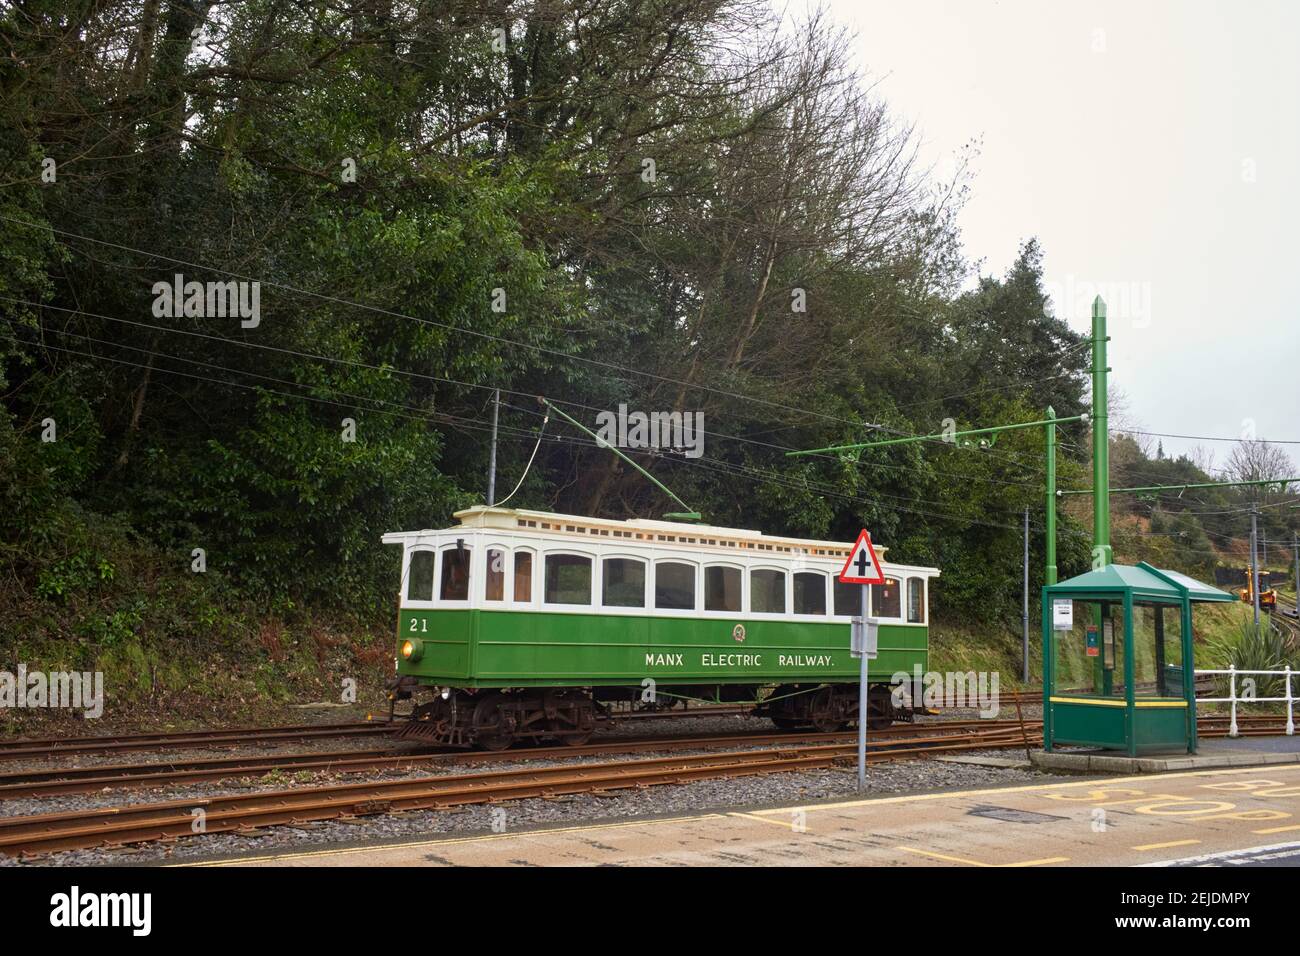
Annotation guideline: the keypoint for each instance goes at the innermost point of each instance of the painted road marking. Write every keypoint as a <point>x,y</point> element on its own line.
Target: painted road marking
<point>1165,846</point>
<point>940,856</point>
<point>958,859</point>
<point>1294,826</point>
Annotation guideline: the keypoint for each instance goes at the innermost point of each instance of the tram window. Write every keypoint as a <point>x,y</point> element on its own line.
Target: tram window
<point>523,577</point>
<point>809,592</point>
<point>885,599</point>
<point>675,586</point>
<point>722,589</point>
<point>915,601</point>
<point>495,579</point>
<point>767,592</point>
<point>419,577</point>
<point>568,579</point>
<point>848,599</point>
<point>623,582</point>
<point>455,575</point>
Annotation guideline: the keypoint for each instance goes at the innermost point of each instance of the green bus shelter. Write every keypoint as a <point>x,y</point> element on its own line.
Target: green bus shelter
<point>1120,638</point>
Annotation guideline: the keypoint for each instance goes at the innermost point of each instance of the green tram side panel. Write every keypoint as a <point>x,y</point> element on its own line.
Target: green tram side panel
<point>480,648</point>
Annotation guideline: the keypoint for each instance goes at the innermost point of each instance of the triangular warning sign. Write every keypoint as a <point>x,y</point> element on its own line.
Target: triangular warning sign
<point>862,566</point>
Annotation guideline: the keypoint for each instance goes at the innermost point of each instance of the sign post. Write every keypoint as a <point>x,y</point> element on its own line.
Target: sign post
<point>863,568</point>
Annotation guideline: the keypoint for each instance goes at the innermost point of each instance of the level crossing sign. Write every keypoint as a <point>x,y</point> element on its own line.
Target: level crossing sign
<point>862,566</point>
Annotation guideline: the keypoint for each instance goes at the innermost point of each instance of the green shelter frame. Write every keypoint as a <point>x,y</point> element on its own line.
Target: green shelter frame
<point>1112,716</point>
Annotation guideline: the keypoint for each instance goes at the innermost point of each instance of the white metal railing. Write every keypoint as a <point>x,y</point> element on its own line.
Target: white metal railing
<point>1233,699</point>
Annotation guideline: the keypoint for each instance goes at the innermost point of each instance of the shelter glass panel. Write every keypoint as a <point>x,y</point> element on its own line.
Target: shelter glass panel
<point>1089,656</point>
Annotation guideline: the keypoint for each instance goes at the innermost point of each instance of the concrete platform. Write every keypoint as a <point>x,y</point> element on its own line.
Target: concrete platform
<point>1215,752</point>
<point>1168,819</point>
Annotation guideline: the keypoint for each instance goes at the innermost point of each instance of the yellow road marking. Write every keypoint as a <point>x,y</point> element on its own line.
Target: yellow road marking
<point>1164,846</point>
<point>958,859</point>
<point>1044,862</point>
<point>940,856</point>
<point>1294,826</point>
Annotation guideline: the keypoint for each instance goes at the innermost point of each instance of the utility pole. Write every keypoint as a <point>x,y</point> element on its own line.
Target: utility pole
<point>1050,519</point>
<point>1254,563</point>
<point>1024,616</point>
<point>492,455</point>
<point>1295,544</point>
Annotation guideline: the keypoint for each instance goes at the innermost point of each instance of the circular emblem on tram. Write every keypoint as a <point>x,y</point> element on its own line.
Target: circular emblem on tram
<point>738,632</point>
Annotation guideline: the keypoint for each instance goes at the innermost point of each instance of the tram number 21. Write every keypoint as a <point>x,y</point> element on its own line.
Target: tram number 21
<point>419,625</point>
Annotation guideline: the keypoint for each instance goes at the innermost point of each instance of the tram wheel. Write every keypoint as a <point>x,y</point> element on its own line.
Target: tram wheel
<point>827,716</point>
<point>490,723</point>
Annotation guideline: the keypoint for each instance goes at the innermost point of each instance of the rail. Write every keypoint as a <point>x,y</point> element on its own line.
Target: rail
<point>1233,699</point>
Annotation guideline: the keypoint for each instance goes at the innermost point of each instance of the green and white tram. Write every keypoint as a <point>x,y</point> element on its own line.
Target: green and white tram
<point>527,624</point>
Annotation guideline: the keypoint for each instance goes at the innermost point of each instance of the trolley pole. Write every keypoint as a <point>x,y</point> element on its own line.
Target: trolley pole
<point>1254,564</point>
<point>492,455</point>
<point>1024,614</point>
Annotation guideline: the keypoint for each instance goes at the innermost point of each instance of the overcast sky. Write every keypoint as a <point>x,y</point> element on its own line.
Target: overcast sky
<point>1154,150</point>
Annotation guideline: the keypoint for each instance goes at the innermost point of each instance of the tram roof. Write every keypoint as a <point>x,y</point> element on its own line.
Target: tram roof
<point>548,522</point>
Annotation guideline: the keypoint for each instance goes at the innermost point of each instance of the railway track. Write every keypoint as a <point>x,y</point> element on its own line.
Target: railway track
<point>38,834</point>
<point>64,781</point>
<point>243,813</point>
<point>53,747</point>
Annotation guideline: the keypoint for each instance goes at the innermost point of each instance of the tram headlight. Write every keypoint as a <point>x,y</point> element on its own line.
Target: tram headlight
<point>412,649</point>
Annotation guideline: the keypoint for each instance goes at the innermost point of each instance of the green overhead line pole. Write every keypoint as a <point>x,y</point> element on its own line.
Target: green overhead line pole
<point>1103,676</point>
<point>1101,552</point>
<point>686,515</point>
<point>1049,519</point>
